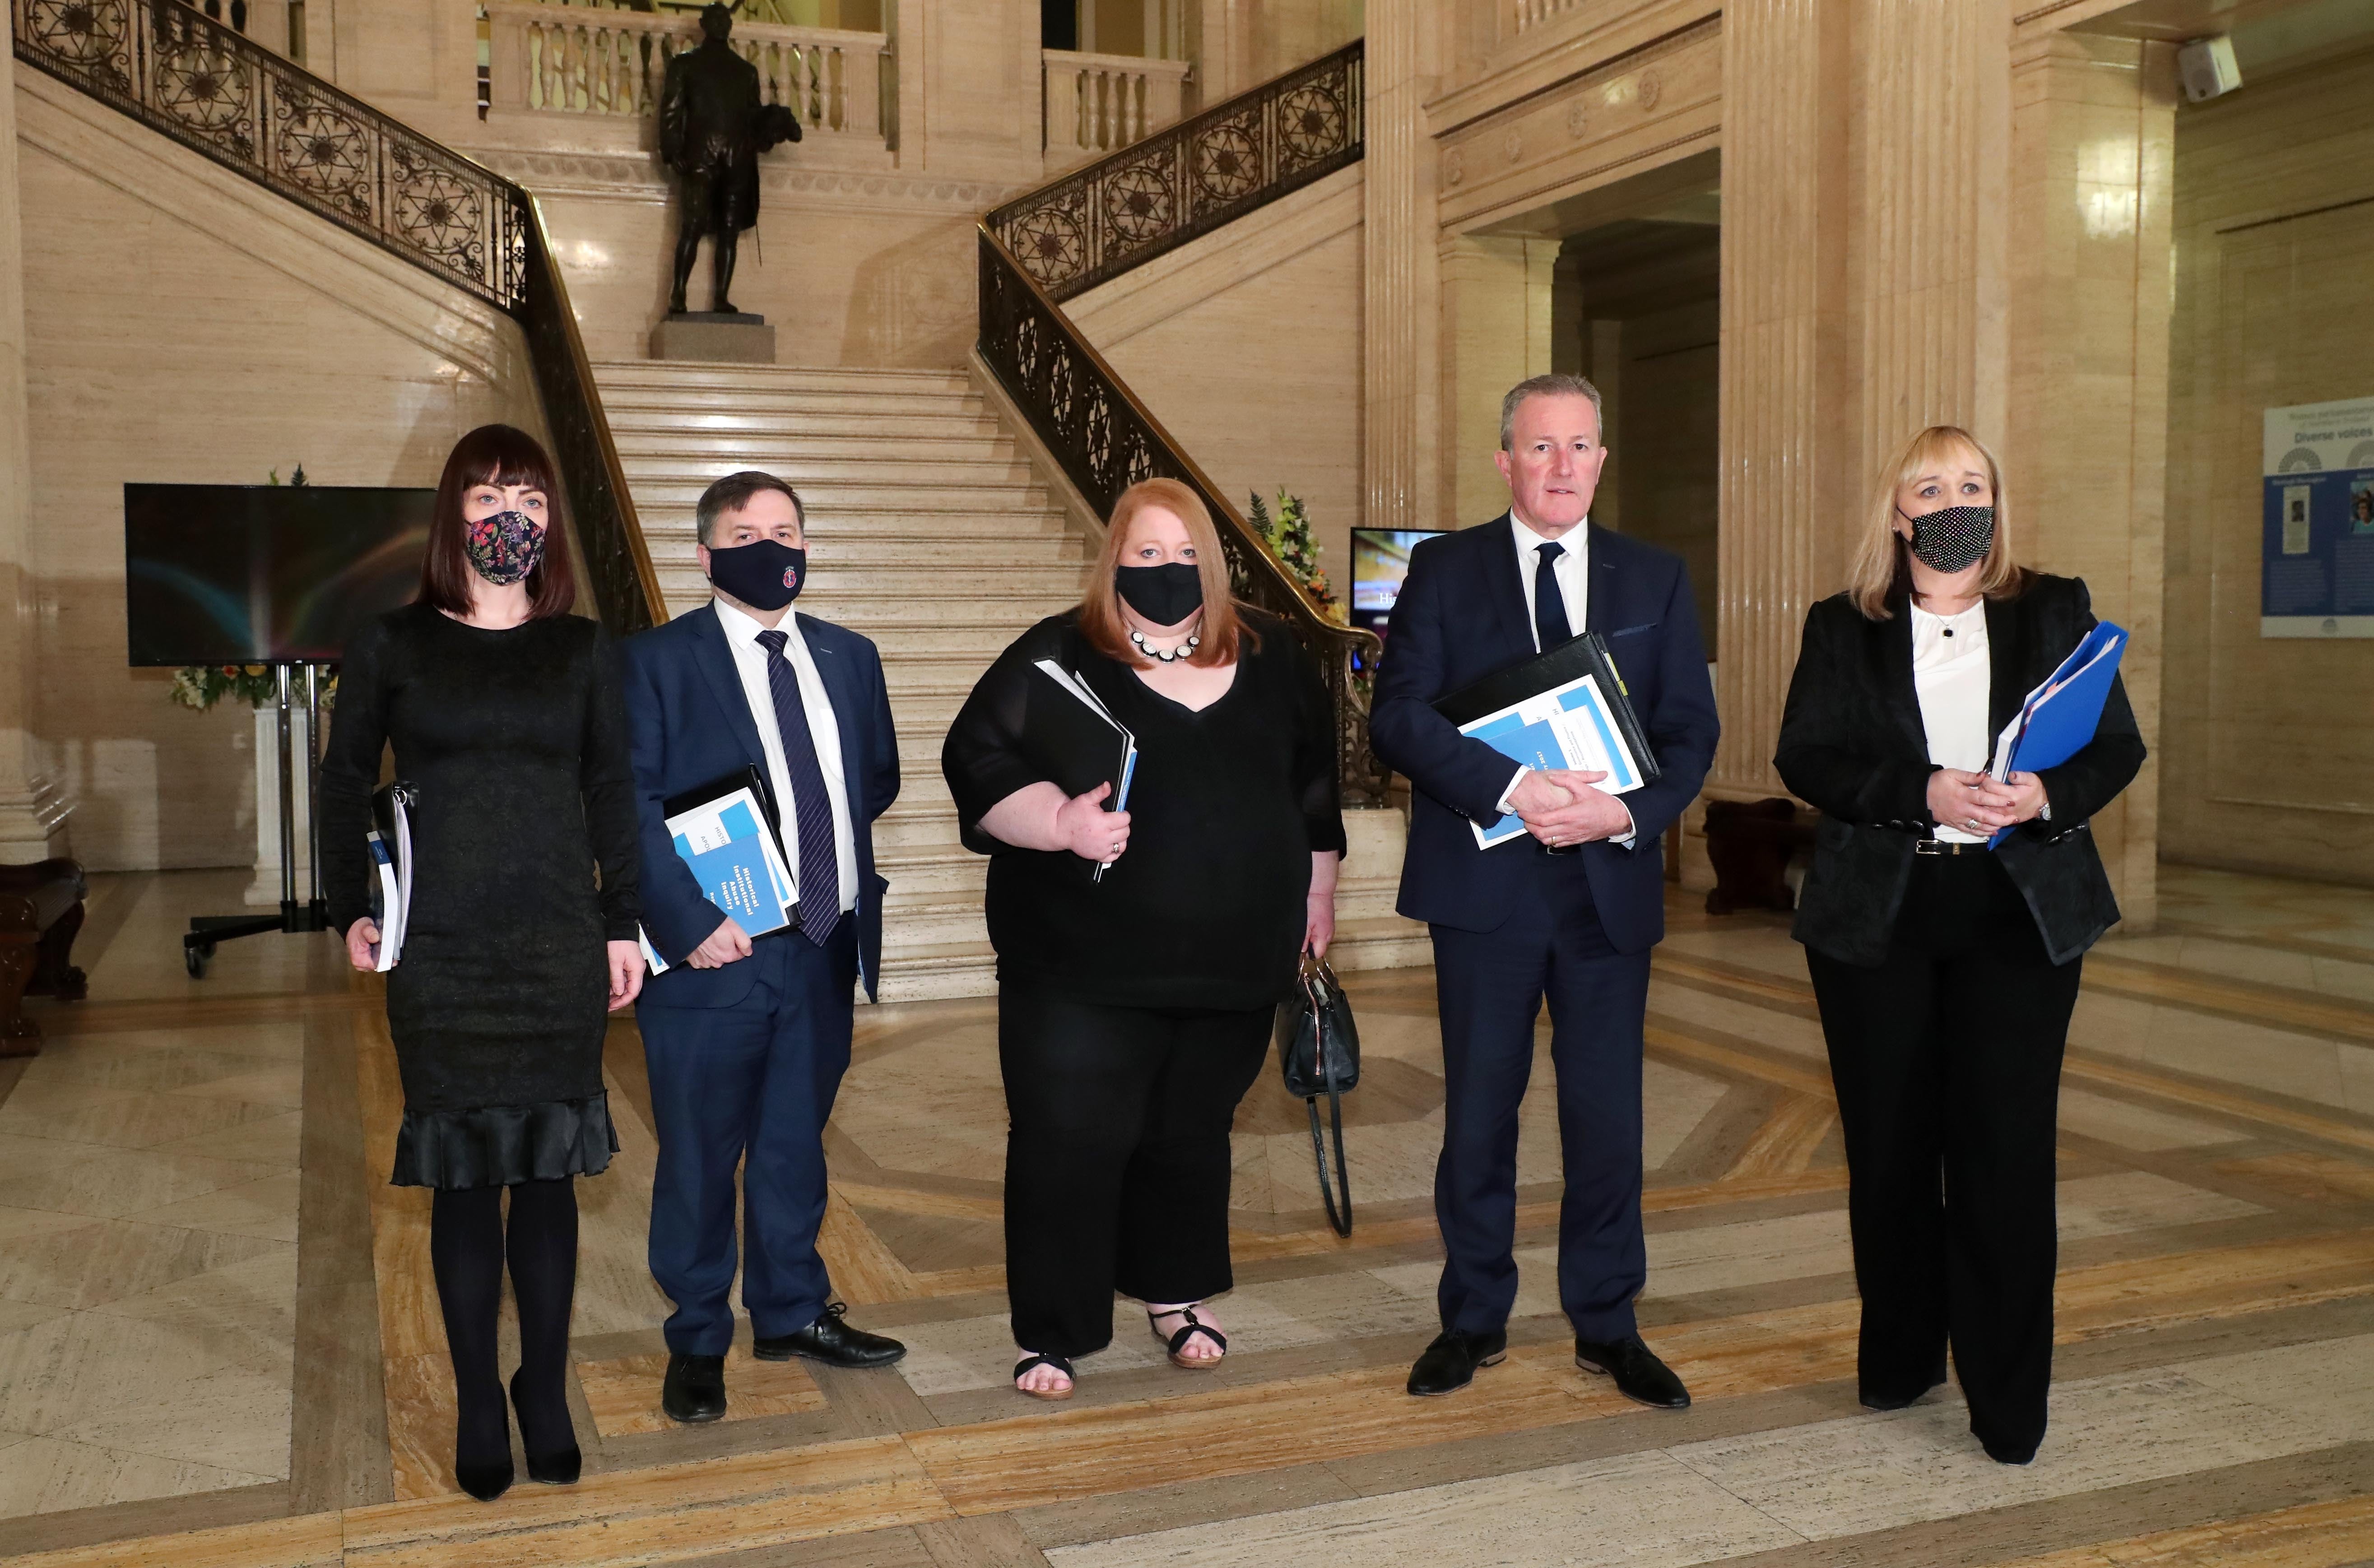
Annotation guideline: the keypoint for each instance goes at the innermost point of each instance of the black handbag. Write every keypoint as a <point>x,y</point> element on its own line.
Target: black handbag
<point>1319,1052</point>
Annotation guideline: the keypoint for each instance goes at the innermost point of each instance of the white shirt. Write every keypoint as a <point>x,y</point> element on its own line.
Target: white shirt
<point>1954,678</point>
<point>750,657</point>
<point>1570,572</point>
<point>1573,580</point>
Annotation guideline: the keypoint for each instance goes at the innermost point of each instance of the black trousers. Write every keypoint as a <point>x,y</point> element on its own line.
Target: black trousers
<point>1116,1156</point>
<point>1947,1062</point>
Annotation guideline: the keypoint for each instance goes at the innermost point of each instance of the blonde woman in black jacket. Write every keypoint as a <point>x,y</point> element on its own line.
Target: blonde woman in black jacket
<point>1946,972</point>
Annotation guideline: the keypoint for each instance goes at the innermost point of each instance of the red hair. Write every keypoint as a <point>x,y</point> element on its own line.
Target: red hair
<point>499,455</point>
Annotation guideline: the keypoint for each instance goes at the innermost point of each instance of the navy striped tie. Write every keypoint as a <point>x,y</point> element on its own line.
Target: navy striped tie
<point>819,867</point>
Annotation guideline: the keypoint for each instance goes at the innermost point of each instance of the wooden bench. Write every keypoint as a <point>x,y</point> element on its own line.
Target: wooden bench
<point>40,911</point>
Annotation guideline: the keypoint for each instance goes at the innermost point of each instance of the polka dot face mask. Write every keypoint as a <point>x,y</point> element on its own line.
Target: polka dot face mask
<point>504,547</point>
<point>1952,540</point>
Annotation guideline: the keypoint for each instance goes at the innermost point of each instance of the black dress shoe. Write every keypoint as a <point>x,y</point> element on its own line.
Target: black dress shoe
<point>1639,1375</point>
<point>830,1339</point>
<point>1449,1363</point>
<point>695,1389</point>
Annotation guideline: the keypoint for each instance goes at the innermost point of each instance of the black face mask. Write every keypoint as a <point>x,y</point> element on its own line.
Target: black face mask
<point>1166,594</point>
<point>1954,539</point>
<point>765,574</point>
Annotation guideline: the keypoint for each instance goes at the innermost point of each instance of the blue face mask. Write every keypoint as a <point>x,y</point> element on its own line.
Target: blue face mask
<point>765,574</point>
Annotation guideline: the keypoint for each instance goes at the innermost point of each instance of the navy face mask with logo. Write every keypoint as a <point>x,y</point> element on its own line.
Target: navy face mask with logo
<point>765,574</point>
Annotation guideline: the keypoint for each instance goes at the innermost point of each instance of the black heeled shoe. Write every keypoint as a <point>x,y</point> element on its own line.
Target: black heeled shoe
<point>483,1468</point>
<point>556,1466</point>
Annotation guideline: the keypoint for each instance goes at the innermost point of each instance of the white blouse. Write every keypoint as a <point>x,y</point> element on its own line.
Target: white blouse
<point>1951,674</point>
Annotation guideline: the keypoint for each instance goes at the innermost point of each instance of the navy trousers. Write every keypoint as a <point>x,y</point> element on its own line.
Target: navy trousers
<point>1489,989</point>
<point>749,1085</point>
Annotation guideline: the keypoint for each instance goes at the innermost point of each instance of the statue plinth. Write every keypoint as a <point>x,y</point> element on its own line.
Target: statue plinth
<point>737,336</point>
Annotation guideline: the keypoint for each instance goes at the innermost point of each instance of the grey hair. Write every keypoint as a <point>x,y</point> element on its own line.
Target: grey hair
<point>732,493</point>
<point>1558,383</point>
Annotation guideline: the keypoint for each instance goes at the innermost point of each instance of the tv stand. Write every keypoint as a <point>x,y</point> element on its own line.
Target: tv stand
<point>311,914</point>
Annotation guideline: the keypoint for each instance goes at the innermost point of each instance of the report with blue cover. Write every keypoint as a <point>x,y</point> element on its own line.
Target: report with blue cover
<point>1564,708</point>
<point>724,833</point>
<point>2059,717</point>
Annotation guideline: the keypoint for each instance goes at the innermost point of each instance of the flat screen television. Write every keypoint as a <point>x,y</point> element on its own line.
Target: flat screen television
<point>1380,561</point>
<point>258,574</point>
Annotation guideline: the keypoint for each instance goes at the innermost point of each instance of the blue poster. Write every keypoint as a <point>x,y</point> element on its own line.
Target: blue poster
<point>2316,553</point>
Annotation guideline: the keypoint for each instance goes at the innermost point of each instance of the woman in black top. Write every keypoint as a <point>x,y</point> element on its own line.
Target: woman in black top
<point>1134,1009</point>
<point>1946,970</point>
<point>505,714</point>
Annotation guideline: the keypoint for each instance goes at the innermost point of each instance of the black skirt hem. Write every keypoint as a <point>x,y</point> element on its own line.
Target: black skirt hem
<point>504,1145</point>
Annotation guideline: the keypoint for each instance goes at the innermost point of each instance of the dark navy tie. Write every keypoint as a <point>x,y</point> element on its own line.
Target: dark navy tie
<point>1549,605</point>
<point>819,867</point>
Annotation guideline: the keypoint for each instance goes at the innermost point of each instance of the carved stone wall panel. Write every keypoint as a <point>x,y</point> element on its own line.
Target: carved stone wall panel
<point>1662,102</point>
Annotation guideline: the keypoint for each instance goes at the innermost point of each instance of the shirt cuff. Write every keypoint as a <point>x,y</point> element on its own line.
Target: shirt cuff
<point>1502,805</point>
<point>1631,835</point>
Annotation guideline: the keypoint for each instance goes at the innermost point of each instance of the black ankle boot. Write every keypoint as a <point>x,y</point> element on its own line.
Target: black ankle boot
<point>482,1447</point>
<point>549,1436</point>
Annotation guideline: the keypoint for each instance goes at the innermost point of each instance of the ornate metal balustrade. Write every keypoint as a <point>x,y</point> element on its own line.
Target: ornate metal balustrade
<point>1107,441</point>
<point>187,76</point>
<point>1160,193</point>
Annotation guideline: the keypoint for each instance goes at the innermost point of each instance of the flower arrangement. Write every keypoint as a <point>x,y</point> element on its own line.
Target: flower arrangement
<point>1289,538</point>
<point>200,687</point>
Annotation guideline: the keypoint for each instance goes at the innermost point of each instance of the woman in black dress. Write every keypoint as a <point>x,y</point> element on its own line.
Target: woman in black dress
<point>1135,1011</point>
<point>505,714</point>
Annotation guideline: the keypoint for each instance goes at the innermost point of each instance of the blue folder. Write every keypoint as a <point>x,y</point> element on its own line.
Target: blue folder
<point>2059,716</point>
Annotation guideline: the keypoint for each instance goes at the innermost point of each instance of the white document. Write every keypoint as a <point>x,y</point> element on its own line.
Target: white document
<point>1565,727</point>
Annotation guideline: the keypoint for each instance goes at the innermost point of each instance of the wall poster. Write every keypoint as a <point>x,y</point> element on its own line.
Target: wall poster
<point>2316,552</point>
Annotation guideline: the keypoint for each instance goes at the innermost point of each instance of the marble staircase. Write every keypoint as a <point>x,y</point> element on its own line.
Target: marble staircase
<point>930,532</point>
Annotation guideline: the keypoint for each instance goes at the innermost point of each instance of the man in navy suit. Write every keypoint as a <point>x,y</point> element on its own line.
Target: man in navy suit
<point>1569,911</point>
<point>745,1038</point>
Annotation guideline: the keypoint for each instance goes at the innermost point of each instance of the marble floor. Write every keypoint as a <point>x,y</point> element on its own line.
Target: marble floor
<point>218,1340</point>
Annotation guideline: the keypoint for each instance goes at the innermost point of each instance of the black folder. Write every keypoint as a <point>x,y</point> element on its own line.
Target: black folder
<point>753,779</point>
<point>1569,660</point>
<point>1079,747</point>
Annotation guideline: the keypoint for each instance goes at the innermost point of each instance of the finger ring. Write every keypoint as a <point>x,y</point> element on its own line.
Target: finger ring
<point>1972,824</point>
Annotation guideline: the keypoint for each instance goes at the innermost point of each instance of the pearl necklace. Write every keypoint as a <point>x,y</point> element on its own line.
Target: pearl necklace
<point>1167,655</point>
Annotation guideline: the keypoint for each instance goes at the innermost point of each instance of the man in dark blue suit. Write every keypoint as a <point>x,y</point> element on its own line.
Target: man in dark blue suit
<point>1568,911</point>
<point>745,1038</point>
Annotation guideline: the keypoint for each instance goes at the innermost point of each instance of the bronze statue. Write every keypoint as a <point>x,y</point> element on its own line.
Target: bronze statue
<point>712,128</point>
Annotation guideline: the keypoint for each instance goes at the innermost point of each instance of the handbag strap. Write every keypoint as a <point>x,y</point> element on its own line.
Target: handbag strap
<point>1316,974</point>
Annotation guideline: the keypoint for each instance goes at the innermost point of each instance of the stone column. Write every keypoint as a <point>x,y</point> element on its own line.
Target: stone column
<point>1864,296</point>
<point>2093,143</point>
<point>1401,391</point>
<point>33,818</point>
<point>1498,307</point>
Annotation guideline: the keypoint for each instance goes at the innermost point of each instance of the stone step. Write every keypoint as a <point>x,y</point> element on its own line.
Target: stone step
<point>731,380</point>
<point>912,524</point>
<point>829,472</point>
<point>662,501</point>
<point>783,451</point>
<point>634,424</point>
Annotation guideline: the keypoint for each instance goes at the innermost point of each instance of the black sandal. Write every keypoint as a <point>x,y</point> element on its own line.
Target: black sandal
<point>1192,1327</point>
<point>1032,1363</point>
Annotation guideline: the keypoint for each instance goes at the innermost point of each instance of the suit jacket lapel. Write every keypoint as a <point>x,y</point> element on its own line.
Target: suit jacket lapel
<point>2006,664</point>
<point>717,666</point>
<point>834,671</point>
<point>1508,587</point>
<point>1893,642</point>
<point>1599,574</point>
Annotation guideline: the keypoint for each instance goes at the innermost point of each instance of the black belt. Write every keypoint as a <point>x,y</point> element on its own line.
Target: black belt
<point>1946,847</point>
